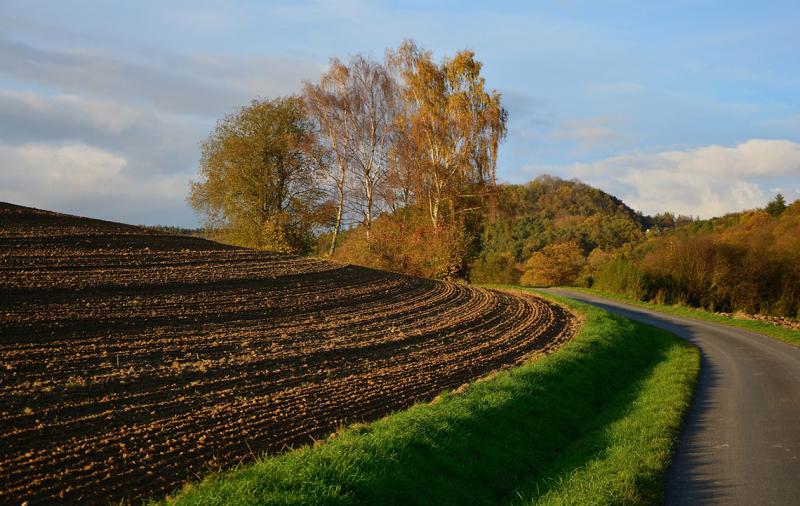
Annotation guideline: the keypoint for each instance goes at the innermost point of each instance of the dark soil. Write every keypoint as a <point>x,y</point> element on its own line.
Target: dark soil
<point>132,362</point>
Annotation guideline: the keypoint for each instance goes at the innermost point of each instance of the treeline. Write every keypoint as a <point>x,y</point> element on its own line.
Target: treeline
<point>747,261</point>
<point>391,164</point>
<point>172,230</point>
<point>398,154</point>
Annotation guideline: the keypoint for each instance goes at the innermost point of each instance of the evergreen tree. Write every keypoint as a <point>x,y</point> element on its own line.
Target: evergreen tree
<point>777,206</point>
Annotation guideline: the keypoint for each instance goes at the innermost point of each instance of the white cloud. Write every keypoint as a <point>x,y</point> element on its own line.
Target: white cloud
<point>589,132</point>
<point>697,195</point>
<point>705,181</point>
<point>84,179</point>
<point>151,144</point>
<point>59,168</point>
<point>756,157</point>
<point>114,134</point>
<point>69,110</point>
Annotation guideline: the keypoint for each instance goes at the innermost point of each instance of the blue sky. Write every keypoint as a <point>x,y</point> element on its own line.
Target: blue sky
<point>692,106</point>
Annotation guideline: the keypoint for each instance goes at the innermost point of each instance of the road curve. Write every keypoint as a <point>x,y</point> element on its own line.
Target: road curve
<point>741,440</point>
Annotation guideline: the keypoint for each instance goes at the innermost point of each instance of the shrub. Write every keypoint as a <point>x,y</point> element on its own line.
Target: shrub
<point>555,264</point>
<point>497,268</point>
<point>407,242</point>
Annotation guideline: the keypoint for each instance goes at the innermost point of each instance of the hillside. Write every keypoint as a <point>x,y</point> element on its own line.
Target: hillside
<point>135,361</point>
<point>747,261</point>
<point>550,211</point>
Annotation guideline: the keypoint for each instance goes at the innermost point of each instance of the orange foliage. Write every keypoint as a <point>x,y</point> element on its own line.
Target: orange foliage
<point>555,264</point>
<point>748,261</point>
<point>407,242</point>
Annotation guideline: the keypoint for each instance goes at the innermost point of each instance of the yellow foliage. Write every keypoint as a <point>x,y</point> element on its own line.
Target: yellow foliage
<point>555,264</point>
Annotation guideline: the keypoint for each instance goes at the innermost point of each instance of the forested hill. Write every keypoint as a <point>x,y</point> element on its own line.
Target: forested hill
<point>747,261</point>
<point>564,219</point>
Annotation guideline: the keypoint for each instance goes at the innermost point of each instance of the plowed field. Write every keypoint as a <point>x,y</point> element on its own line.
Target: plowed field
<point>132,361</point>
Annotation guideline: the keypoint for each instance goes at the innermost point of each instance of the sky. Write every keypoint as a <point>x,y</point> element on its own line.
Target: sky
<point>687,106</point>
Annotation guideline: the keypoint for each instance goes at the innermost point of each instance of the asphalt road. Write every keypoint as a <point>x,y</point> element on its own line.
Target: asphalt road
<point>741,440</point>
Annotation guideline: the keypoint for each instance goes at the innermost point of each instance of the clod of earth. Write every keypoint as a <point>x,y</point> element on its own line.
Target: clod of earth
<point>135,361</point>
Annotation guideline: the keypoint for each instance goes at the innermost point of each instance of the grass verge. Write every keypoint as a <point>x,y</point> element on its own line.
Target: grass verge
<point>784,334</point>
<point>593,423</point>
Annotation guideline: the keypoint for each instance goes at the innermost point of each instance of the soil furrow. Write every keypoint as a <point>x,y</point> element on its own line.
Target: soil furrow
<point>133,361</point>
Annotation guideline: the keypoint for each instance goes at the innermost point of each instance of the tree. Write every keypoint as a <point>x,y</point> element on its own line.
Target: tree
<point>663,221</point>
<point>776,206</point>
<point>424,149</point>
<point>374,101</point>
<point>258,177</point>
<point>327,107</point>
<point>555,264</point>
<point>491,267</point>
<point>453,127</point>
<point>355,105</point>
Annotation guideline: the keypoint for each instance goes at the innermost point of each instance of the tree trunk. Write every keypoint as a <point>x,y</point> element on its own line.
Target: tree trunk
<point>339,213</point>
<point>368,221</point>
<point>433,205</point>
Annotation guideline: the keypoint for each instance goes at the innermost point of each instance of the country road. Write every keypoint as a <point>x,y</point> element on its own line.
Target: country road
<point>741,440</point>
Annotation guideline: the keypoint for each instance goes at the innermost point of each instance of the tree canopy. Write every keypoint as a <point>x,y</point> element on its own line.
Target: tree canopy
<point>259,182</point>
<point>744,261</point>
<point>453,125</point>
<point>391,164</point>
<point>356,106</point>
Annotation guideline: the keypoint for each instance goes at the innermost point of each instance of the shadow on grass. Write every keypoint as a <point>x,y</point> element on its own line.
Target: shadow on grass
<point>528,443</point>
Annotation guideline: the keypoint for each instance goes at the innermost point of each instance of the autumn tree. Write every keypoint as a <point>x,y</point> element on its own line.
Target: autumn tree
<point>258,181</point>
<point>663,221</point>
<point>436,161</point>
<point>355,105</point>
<point>453,127</point>
<point>374,101</point>
<point>326,103</point>
<point>744,261</point>
<point>555,264</point>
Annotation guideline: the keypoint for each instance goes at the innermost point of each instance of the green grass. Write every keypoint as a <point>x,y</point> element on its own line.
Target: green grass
<point>593,423</point>
<point>787,335</point>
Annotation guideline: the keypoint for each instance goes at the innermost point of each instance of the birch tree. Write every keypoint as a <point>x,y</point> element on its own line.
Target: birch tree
<point>455,124</point>
<point>374,102</point>
<point>356,106</point>
<point>328,105</point>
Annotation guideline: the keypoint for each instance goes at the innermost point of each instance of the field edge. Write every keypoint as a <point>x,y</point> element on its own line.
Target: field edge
<point>596,420</point>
